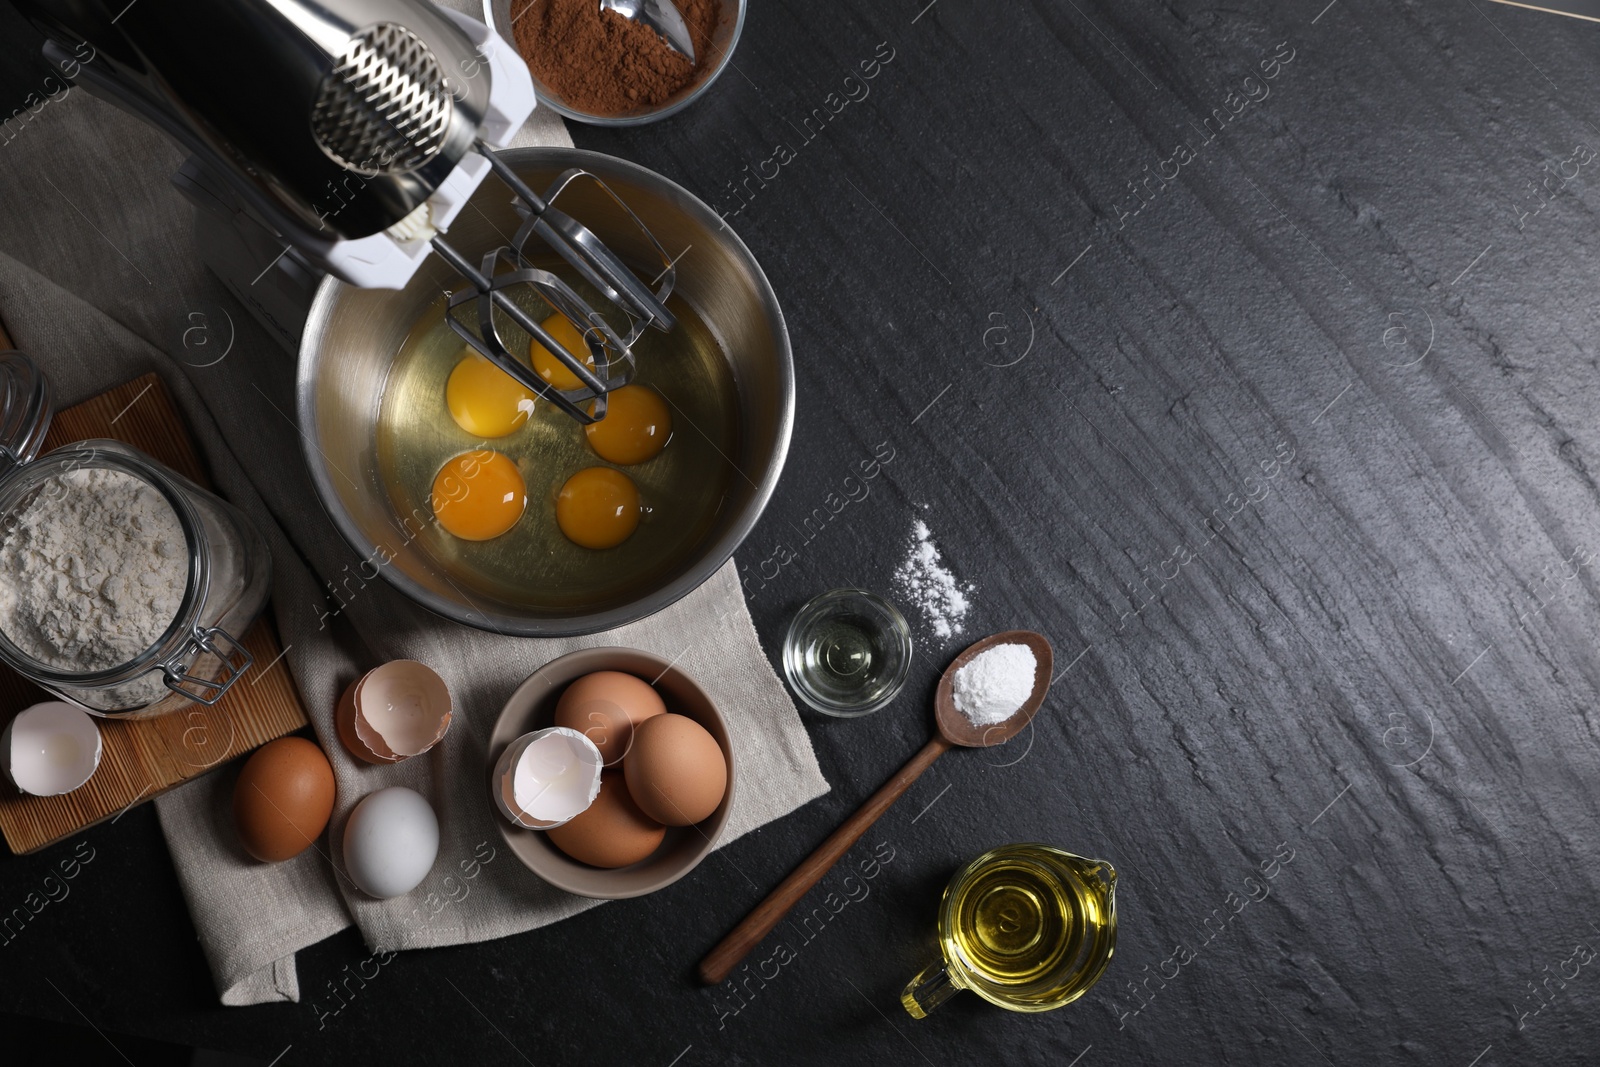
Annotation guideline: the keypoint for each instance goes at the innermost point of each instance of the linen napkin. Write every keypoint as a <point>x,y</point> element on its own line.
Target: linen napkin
<point>99,282</point>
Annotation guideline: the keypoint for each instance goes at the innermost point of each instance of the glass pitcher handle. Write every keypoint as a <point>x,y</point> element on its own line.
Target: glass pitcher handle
<point>928,990</point>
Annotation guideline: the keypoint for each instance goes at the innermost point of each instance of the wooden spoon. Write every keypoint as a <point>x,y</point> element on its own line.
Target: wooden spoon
<point>954,729</point>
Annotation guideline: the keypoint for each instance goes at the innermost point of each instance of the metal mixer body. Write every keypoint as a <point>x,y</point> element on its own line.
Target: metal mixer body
<point>343,137</point>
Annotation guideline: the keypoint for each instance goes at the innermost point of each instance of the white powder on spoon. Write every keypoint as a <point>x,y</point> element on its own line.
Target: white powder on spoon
<point>995,684</point>
<point>924,580</point>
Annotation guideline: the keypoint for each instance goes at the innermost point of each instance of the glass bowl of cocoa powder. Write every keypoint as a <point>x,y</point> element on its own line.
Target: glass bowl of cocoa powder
<point>598,67</point>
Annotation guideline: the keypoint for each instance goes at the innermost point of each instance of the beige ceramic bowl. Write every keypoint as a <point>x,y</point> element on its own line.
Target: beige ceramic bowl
<point>533,707</point>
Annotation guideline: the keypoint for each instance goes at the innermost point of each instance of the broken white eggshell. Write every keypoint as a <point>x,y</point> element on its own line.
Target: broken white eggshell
<point>394,712</point>
<point>50,749</point>
<point>502,780</point>
<point>546,778</point>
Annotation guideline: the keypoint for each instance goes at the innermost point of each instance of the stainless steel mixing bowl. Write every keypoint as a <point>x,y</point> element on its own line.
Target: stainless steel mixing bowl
<point>352,336</point>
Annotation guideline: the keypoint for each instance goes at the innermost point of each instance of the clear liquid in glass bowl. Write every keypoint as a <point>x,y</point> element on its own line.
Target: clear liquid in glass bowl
<point>847,653</point>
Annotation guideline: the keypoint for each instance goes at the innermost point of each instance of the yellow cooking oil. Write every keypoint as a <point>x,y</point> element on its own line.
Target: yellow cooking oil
<point>1029,927</point>
<point>533,565</point>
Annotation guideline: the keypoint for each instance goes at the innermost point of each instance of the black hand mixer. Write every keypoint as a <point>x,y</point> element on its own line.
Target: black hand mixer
<point>351,133</point>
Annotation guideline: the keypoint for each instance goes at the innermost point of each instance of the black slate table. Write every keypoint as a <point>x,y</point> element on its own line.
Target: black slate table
<point>1245,351</point>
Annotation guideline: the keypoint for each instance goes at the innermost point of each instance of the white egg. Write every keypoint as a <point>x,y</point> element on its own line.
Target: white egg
<point>390,842</point>
<point>50,749</point>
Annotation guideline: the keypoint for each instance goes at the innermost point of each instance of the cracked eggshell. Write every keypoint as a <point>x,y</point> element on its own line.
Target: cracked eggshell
<point>50,749</point>
<point>546,778</point>
<point>394,712</point>
<point>500,779</point>
<point>344,720</point>
<point>366,743</point>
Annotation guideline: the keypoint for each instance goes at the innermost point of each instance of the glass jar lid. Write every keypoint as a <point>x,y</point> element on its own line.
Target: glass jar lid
<point>24,410</point>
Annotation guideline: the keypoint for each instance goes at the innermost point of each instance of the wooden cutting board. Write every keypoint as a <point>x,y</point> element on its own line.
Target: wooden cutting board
<point>146,758</point>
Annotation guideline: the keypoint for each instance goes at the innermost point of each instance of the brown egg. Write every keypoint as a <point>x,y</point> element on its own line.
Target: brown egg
<point>676,771</point>
<point>283,798</point>
<point>606,707</point>
<point>611,832</point>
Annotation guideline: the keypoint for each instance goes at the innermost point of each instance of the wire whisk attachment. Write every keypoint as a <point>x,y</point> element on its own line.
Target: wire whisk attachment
<point>508,272</point>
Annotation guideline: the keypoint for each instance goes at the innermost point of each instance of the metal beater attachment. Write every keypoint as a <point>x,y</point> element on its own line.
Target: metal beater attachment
<point>388,108</point>
<point>509,266</point>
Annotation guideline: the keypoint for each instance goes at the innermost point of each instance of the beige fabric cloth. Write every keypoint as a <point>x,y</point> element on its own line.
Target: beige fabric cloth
<point>98,281</point>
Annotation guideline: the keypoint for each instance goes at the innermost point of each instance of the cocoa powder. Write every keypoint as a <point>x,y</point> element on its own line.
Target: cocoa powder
<point>599,62</point>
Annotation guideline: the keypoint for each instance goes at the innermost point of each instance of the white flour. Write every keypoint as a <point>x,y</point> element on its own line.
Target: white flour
<point>923,579</point>
<point>92,571</point>
<point>995,684</point>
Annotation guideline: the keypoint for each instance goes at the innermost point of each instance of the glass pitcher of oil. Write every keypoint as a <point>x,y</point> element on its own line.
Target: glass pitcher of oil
<point>1027,927</point>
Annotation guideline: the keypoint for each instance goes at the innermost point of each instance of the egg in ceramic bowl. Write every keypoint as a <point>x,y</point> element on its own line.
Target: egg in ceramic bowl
<point>533,707</point>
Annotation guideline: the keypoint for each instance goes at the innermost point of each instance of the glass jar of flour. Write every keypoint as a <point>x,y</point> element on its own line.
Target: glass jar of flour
<point>123,585</point>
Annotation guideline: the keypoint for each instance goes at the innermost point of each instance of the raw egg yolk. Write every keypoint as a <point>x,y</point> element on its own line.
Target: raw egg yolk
<point>636,426</point>
<point>479,495</point>
<point>484,400</point>
<point>598,508</point>
<point>547,366</point>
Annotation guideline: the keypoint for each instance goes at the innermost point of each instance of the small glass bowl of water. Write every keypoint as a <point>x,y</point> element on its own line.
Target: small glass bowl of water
<point>847,653</point>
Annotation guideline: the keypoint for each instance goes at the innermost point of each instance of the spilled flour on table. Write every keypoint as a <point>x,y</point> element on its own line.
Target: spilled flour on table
<point>924,581</point>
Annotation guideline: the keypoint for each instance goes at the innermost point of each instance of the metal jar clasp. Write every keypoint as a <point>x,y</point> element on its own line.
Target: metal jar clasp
<point>231,657</point>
